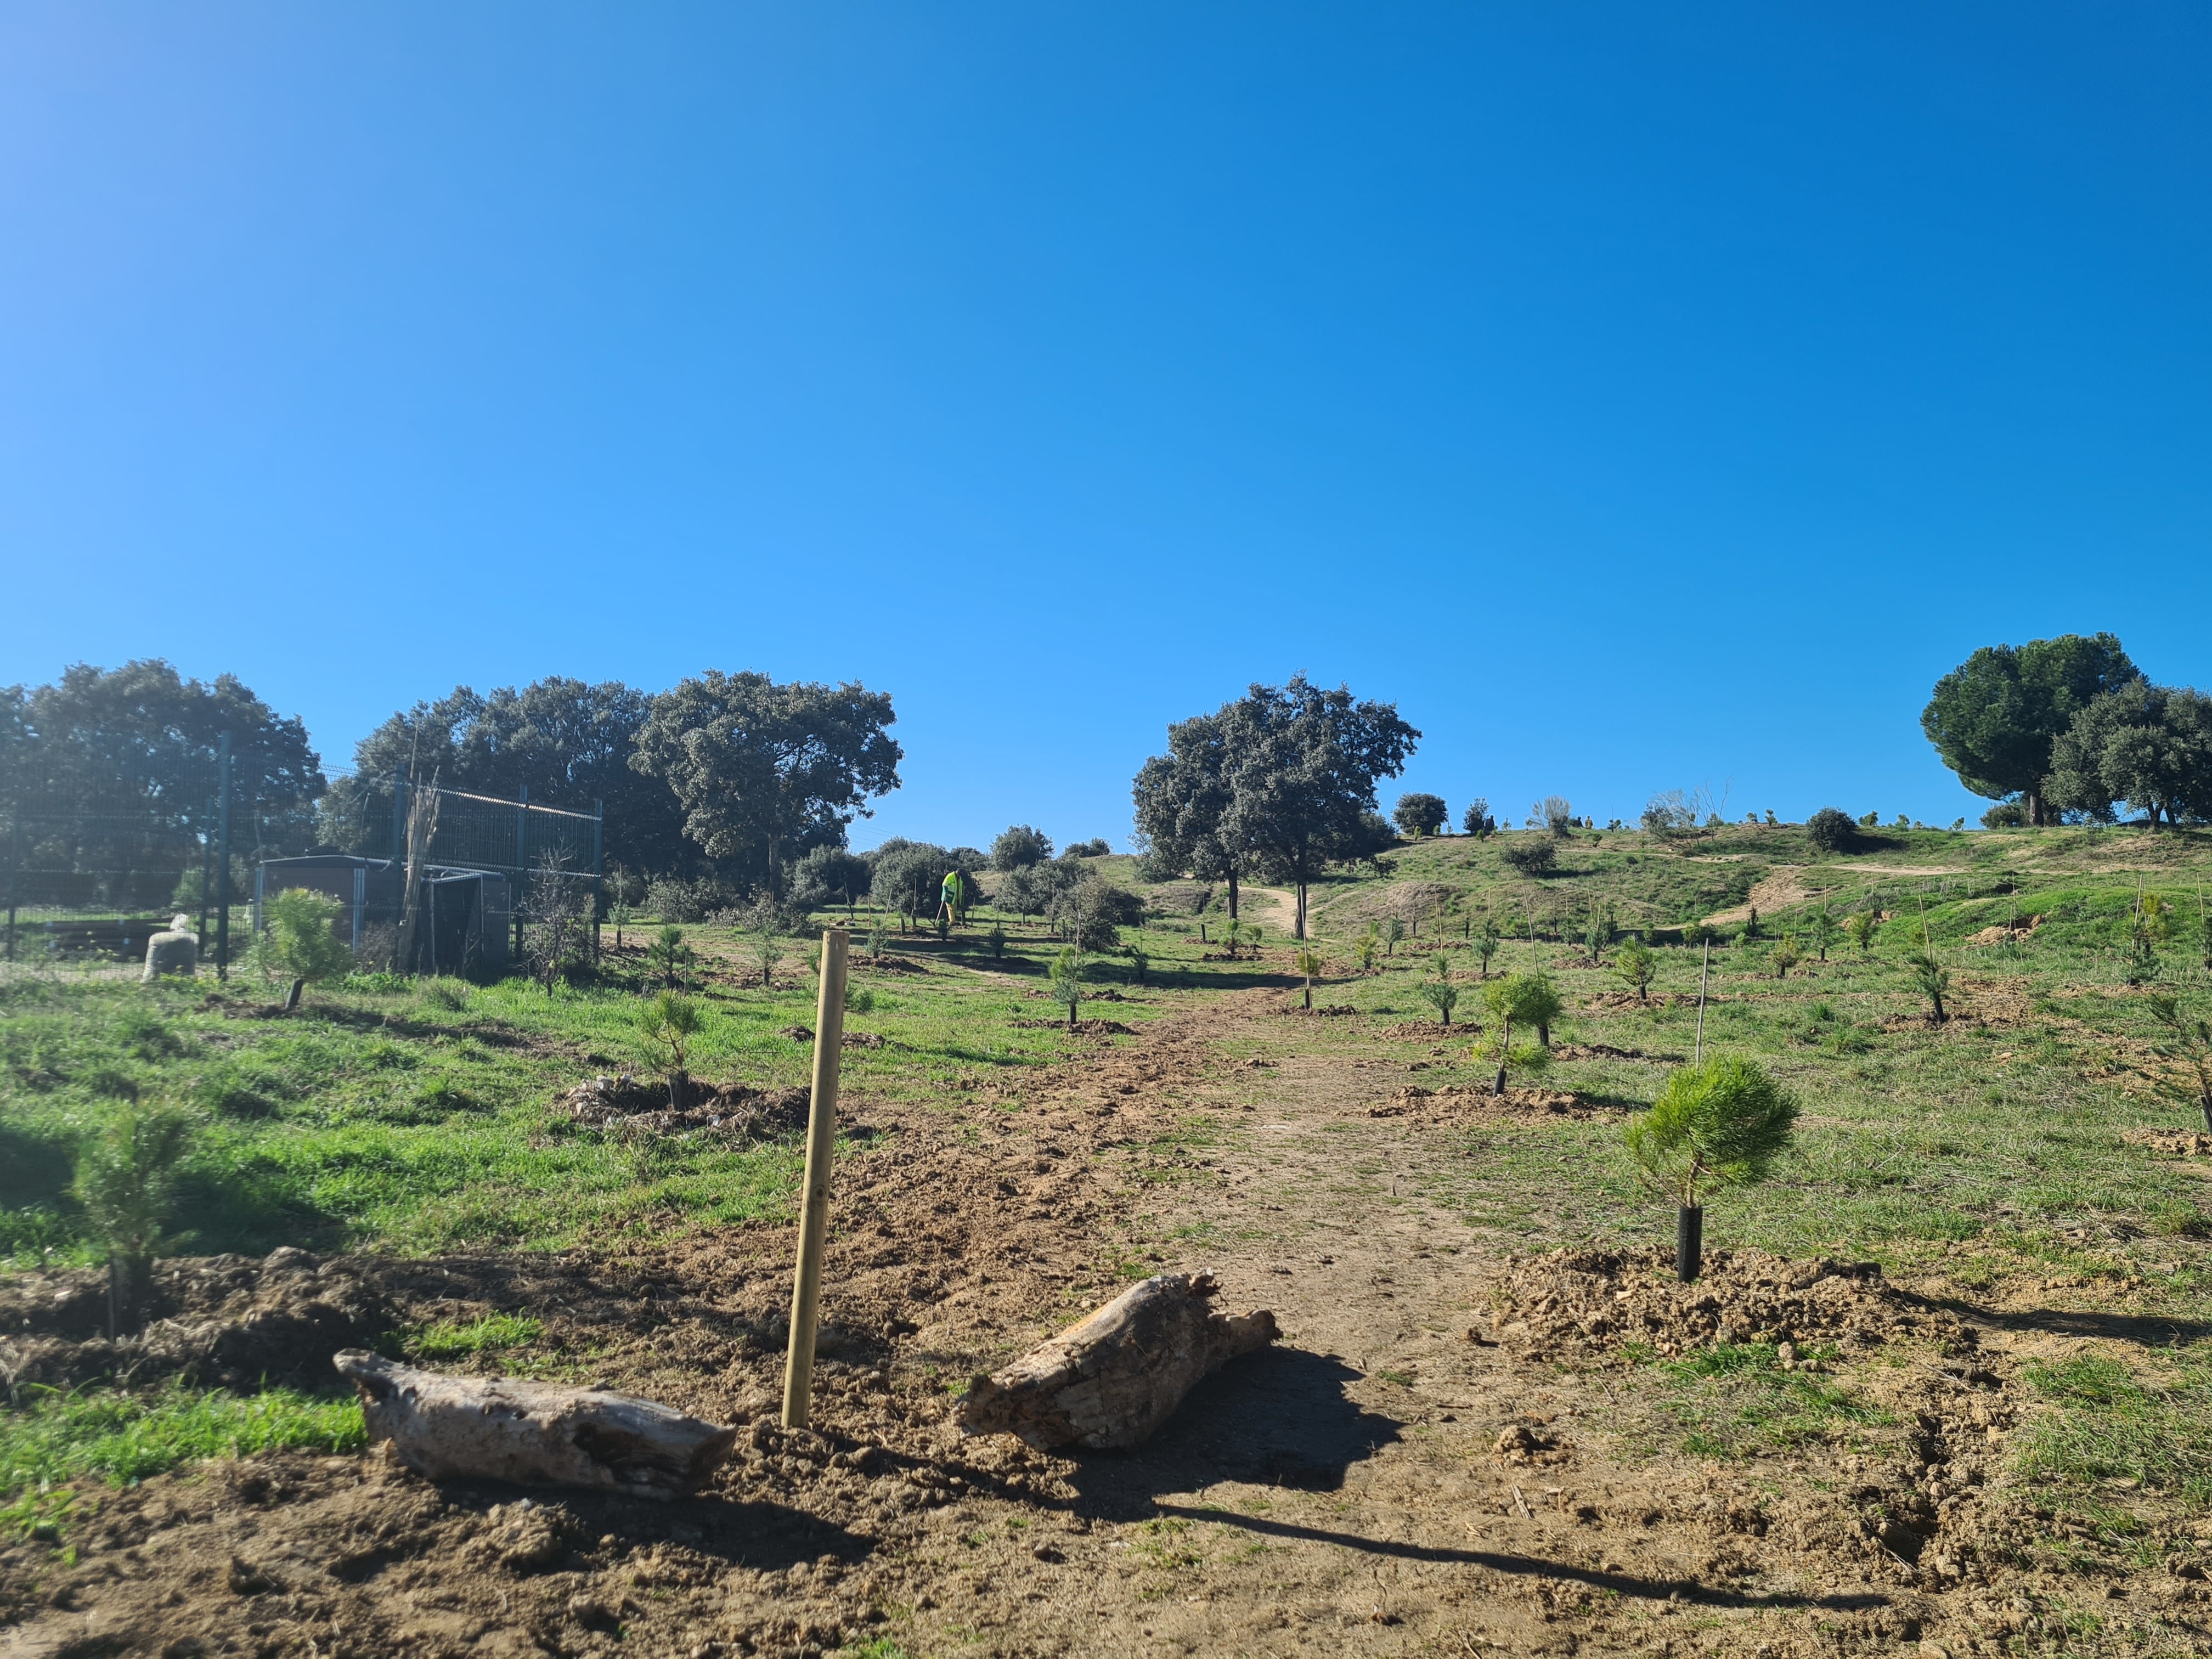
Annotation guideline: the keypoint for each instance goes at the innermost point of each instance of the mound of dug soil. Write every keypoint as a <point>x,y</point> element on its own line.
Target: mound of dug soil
<point>731,1108</point>
<point>1452,1102</point>
<point>1595,1303</point>
<point>1328,1011</point>
<point>1082,1027</point>
<point>2170,1142</point>
<point>221,1321</point>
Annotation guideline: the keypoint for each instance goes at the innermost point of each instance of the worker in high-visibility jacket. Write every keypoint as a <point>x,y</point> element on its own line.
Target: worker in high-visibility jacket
<point>953,895</point>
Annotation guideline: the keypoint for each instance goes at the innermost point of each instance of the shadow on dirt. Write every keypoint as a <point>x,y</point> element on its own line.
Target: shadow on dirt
<point>1280,1418</point>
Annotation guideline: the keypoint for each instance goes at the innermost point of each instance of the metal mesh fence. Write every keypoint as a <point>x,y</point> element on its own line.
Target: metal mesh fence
<point>92,872</point>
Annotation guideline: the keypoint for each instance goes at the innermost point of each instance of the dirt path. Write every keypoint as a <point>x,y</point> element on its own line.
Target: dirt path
<point>1283,923</point>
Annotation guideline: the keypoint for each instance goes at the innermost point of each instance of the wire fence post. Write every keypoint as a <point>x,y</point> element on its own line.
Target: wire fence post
<point>15,862</point>
<point>598,884</point>
<point>814,1203</point>
<point>223,824</point>
<point>521,863</point>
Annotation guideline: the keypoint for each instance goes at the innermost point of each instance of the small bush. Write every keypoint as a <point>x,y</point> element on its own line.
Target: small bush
<point>1831,831</point>
<point>2006,815</point>
<point>1532,858</point>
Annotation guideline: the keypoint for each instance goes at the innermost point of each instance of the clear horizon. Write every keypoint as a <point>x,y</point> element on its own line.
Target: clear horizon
<point>1637,401</point>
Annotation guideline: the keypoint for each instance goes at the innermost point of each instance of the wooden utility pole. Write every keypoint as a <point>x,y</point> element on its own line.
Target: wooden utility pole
<point>814,1200</point>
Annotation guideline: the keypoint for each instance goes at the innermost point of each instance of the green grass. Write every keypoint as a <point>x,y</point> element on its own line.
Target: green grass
<point>419,1114</point>
<point>1733,1399</point>
<point>2113,1423</point>
<point>120,1437</point>
<point>494,1333</point>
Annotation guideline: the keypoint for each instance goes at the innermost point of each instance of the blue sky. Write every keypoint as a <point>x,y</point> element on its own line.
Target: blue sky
<point>1638,398</point>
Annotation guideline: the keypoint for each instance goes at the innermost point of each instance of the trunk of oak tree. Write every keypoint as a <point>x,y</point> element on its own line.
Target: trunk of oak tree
<point>1115,1378</point>
<point>541,1434</point>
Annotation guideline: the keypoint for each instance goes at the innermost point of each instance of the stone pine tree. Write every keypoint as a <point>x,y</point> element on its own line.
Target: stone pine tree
<point>1995,717</point>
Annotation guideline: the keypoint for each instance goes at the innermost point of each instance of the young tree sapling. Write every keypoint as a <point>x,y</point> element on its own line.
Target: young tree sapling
<point>1066,982</point>
<point>668,1023</point>
<point>1719,1124</point>
<point>1440,990</point>
<point>299,943</point>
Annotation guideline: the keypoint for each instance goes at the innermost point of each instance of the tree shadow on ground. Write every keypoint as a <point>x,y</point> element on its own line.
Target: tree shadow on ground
<point>1282,1418</point>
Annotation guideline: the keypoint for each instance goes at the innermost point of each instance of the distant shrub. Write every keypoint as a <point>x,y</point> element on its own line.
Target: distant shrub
<point>1477,821</point>
<point>674,898</point>
<point>2007,815</point>
<point>830,875</point>
<point>1555,813</point>
<point>1088,849</point>
<point>1831,831</point>
<point>1532,858</point>
<point>1672,812</point>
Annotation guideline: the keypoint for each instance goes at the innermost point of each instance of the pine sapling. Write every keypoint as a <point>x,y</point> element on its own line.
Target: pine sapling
<point>2188,1039</point>
<point>1933,981</point>
<point>669,1024</point>
<point>1719,1124</point>
<point>1440,989</point>
<point>1635,962</point>
<point>1067,982</point>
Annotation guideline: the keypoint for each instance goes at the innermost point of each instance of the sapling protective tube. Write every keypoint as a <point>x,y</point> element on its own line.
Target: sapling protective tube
<point>1715,1124</point>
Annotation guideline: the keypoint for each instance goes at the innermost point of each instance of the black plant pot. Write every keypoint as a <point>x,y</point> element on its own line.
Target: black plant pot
<point>1689,1243</point>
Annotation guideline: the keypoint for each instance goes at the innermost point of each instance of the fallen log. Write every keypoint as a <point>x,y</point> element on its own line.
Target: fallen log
<point>537,1434</point>
<point>1113,1378</point>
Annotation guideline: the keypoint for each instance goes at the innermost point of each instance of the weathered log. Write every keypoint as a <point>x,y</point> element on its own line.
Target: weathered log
<point>1113,1378</point>
<point>535,1434</point>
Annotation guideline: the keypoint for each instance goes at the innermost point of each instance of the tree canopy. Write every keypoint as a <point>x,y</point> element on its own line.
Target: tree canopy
<point>1418,814</point>
<point>114,772</point>
<point>1280,781</point>
<point>1182,801</point>
<point>2149,746</point>
<point>762,771</point>
<point>1995,717</point>
<point>1303,766</point>
<point>1018,846</point>
<point>568,743</point>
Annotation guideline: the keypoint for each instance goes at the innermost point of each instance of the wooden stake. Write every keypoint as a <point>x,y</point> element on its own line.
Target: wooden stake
<point>1704,973</point>
<point>814,1203</point>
